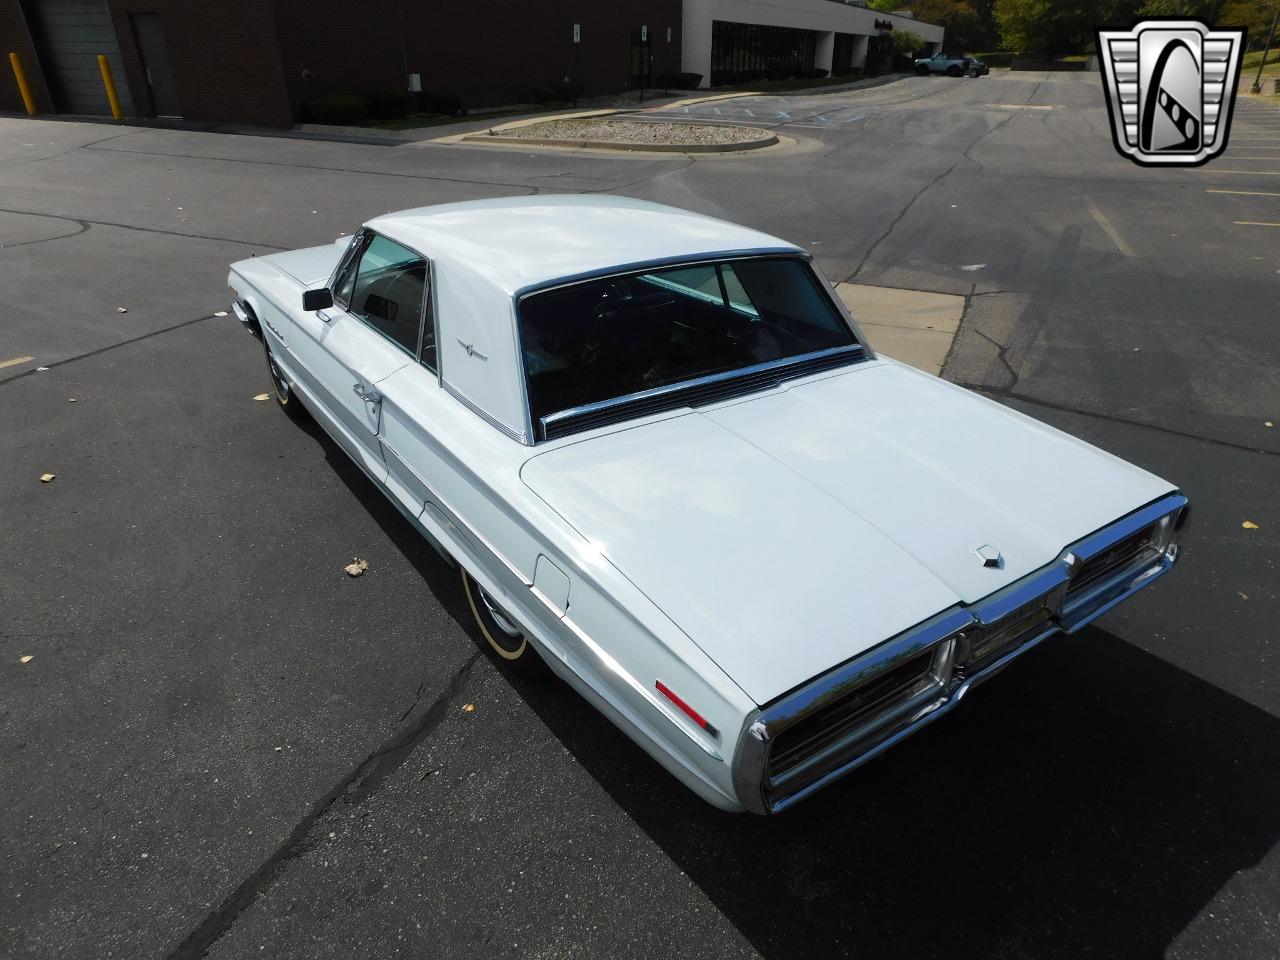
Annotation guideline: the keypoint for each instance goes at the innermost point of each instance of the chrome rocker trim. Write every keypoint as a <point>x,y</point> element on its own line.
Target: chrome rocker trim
<point>949,634</point>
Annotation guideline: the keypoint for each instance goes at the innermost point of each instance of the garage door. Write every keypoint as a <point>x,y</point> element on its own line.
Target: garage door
<point>71,34</point>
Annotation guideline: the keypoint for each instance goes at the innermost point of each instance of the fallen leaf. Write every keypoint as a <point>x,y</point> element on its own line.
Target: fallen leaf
<point>25,658</point>
<point>71,399</point>
<point>219,313</point>
<point>122,309</point>
<point>1249,525</point>
<point>1268,423</point>
<point>356,567</point>
<point>41,369</point>
<point>263,396</point>
<point>46,477</point>
<point>1244,596</point>
<point>469,708</point>
<point>974,266</point>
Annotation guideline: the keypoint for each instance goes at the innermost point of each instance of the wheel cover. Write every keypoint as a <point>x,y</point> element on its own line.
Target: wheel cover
<point>500,619</point>
<point>277,378</point>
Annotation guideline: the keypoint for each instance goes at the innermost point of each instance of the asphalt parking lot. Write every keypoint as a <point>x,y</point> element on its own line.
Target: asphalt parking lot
<point>216,742</point>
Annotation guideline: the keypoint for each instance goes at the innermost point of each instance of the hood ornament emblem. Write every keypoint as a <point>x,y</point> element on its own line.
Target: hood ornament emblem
<point>990,556</point>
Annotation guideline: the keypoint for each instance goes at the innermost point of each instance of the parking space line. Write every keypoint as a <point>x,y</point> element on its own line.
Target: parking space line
<point>15,361</point>
<point>1251,173</point>
<point>1254,223</point>
<point>1110,231</point>
<point>1244,193</point>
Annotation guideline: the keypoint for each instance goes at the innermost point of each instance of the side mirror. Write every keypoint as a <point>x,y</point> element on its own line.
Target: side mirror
<point>313,300</point>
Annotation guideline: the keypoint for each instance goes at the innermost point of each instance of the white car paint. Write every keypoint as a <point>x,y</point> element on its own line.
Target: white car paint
<point>734,552</point>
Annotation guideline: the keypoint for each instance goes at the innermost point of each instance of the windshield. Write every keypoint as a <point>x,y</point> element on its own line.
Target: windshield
<point>608,338</point>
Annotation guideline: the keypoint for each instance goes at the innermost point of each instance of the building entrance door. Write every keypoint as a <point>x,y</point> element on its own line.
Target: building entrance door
<point>155,62</point>
<point>641,58</point>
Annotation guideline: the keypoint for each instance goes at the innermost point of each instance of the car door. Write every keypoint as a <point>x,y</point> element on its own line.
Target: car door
<point>372,330</point>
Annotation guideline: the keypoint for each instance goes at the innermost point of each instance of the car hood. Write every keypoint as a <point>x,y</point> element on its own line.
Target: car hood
<point>790,531</point>
<point>311,265</point>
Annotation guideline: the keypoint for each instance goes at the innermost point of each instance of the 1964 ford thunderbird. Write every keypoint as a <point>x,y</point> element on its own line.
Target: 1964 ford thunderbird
<point>671,468</point>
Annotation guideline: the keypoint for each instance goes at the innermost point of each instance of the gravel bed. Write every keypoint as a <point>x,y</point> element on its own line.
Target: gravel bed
<point>635,131</point>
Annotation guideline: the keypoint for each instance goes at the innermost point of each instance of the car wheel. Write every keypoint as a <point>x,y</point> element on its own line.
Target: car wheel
<point>922,71</point>
<point>503,635</point>
<point>281,388</point>
<point>955,72</point>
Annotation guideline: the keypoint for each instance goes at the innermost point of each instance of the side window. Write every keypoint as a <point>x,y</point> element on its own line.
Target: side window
<point>389,290</point>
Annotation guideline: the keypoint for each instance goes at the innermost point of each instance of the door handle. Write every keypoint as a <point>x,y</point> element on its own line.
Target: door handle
<point>367,394</point>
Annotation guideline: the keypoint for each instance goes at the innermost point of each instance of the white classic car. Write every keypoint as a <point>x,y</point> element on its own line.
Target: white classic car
<point>671,467</point>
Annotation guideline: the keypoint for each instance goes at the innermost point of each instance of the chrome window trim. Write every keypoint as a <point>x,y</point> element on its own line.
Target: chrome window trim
<point>356,244</point>
<point>750,768</point>
<point>853,350</point>
<point>824,290</point>
<point>482,413</point>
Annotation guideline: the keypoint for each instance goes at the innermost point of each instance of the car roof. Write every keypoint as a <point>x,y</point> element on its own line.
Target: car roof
<point>517,243</point>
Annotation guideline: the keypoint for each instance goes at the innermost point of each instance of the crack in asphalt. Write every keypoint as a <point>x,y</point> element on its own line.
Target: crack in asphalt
<point>129,226</point>
<point>365,777</point>
<point>108,347</point>
<point>1112,418</point>
<point>920,193</point>
<point>315,166</point>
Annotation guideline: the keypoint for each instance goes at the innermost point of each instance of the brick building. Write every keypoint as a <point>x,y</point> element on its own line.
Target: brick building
<point>261,61</point>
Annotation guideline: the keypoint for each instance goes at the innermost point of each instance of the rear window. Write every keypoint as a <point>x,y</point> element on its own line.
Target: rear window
<point>621,335</point>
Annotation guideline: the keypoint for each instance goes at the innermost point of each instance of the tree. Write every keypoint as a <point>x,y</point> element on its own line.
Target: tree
<point>1203,9</point>
<point>1254,15</point>
<point>886,6</point>
<point>908,43</point>
<point>1049,27</point>
<point>965,30</point>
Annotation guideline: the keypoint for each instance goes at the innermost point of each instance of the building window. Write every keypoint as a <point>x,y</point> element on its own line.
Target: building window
<point>842,54</point>
<point>743,52</point>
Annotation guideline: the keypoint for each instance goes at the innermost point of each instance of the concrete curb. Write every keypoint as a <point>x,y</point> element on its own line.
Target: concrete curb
<point>491,139</point>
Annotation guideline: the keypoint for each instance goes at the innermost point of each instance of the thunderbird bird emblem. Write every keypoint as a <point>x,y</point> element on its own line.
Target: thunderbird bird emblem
<point>990,556</point>
<point>1171,87</point>
<point>471,350</point>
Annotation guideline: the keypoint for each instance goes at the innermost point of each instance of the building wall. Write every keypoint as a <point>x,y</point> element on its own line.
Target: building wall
<point>485,52</point>
<point>16,38</point>
<point>225,57</point>
<point>825,16</point>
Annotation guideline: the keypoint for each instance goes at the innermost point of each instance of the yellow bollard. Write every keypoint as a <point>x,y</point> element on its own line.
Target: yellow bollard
<point>27,100</point>
<point>111,88</point>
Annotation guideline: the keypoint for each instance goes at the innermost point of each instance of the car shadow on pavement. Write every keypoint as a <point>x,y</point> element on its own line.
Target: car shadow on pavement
<point>1088,802</point>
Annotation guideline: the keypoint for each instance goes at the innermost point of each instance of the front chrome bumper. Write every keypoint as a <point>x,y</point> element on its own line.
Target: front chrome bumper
<point>940,660</point>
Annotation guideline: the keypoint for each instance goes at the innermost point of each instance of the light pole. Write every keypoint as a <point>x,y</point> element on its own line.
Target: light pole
<point>1257,81</point>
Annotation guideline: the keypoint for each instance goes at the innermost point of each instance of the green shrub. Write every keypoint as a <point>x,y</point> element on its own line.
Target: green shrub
<point>681,81</point>
<point>562,92</point>
<point>440,103</point>
<point>389,104</point>
<point>1002,58</point>
<point>908,43</point>
<point>337,108</point>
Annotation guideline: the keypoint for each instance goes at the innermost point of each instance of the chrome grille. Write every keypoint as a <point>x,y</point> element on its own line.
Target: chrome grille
<point>989,643</point>
<point>850,723</point>
<point>1134,549</point>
